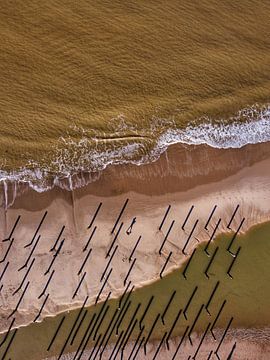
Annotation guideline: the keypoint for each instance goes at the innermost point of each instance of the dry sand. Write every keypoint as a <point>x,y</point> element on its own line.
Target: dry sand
<point>184,176</point>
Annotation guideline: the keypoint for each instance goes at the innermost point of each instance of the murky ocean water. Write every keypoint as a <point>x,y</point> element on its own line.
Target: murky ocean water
<point>85,84</point>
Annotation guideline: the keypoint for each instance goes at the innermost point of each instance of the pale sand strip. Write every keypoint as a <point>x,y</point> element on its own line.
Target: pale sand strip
<point>183,177</point>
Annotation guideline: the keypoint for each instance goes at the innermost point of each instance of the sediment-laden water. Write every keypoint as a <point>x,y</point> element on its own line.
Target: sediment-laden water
<point>88,84</point>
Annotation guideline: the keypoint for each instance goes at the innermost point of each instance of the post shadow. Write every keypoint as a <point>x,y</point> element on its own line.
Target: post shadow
<point>7,251</point>
<point>119,216</point>
<point>87,340</point>
<point>188,263</point>
<point>55,256</point>
<point>58,238</point>
<point>30,254</point>
<point>90,238</point>
<point>166,237</point>
<point>13,229</point>
<point>82,340</point>
<point>73,327</point>
<point>172,328</point>
<point>210,217</point>
<point>56,332</point>
<point>216,318</point>
<point>159,346</point>
<point>112,329</point>
<point>165,264</point>
<point>4,270</point>
<point>77,318</point>
<point>194,323</point>
<point>122,317</point>
<point>124,293</point>
<point>234,236</point>
<point>146,311</point>
<point>95,215</point>
<point>9,344</point>
<point>128,337</point>
<point>135,247</point>
<point>212,237</point>
<point>201,341</point>
<point>223,337</point>
<point>233,215</point>
<point>128,329</point>
<point>231,352</point>
<point>138,349</point>
<point>189,237</point>
<point>109,262</point>
<point>150,333</point>
<point>129,271</point>
<point>232,263</point>
<point>98,323</point>
<point>78,327</point>
<point>47,284</point>
<point>102,287</point>
<point>7,333</point>
<point>20,300</point>
<point>105,334</point>
<point>189,301</point>
<point>164,217</point>
<point>136,343</point>
<point>37,230</point>
<point>210,262</point>
<point>114,240</point>
<point>167,307</point>
<point>85,260</point>
<point>42,307</point>
<point>180,343</point>
<point>187,217</point>
<point>122,313</point>
<point>102,318</point>
<point>211,297</point>
<point>79,285</point>
<point>127,299</point>
<point>95,346</point>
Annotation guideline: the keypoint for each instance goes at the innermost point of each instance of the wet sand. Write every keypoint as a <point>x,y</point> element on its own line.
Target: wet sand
<point>182,177</point>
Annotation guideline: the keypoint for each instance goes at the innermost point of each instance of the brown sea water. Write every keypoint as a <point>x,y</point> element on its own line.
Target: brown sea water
<point>111,78</point>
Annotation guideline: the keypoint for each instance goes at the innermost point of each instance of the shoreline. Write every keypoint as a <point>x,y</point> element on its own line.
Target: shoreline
<point>76,163</point>
<point>194,171</point>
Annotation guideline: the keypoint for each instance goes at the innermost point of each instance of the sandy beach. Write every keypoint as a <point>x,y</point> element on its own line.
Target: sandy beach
<point>183,177</point>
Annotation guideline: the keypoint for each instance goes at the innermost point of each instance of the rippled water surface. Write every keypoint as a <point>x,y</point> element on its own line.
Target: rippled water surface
<point>88,83</point>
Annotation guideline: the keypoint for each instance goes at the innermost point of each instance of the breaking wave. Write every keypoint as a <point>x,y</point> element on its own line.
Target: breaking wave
<point>93,154</point>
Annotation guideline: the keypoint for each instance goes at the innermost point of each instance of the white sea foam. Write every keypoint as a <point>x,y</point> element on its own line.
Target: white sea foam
<point>221,135</point>
<point>250,126</point>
